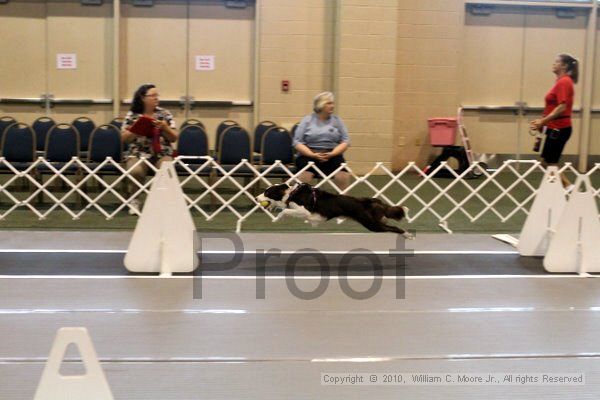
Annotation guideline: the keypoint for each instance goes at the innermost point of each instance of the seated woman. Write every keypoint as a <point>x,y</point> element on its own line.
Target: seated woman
<point>322,138</point>
<point>157,148</point>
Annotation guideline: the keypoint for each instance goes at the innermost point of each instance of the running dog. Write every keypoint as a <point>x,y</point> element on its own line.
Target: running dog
<point>316,206</point>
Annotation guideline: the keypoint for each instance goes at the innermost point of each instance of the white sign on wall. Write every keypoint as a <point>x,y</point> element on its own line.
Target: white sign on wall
<point>205,63</point>
<point>66,61</point>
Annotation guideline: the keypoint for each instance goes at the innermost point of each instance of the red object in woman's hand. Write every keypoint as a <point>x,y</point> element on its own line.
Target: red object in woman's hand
<point>143,126</point>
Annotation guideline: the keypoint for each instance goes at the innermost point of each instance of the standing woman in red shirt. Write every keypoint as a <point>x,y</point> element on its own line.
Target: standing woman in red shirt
<point>557,111</point>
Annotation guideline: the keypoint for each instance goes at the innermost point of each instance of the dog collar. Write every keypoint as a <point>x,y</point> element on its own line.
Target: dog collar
<point>294,190</point>
<point>313,190</point>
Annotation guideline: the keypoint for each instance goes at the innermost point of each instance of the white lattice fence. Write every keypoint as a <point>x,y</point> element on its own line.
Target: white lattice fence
<point>211,189</point>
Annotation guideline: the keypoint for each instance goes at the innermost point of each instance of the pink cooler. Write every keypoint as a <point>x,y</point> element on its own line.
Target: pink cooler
<point>442,131</point>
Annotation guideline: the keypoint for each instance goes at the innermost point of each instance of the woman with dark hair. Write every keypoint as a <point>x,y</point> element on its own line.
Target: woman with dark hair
<point>156,148</point>
<point>556,118</point>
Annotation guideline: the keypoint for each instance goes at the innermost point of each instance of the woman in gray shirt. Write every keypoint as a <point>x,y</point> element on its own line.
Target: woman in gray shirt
<point>322,138</point>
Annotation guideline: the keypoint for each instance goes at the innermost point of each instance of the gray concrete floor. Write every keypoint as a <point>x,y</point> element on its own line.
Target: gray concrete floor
<point>157,338</point>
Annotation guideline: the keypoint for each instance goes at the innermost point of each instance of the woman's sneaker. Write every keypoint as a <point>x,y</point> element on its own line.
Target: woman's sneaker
<point>570,188</point>
<point>134,207</point>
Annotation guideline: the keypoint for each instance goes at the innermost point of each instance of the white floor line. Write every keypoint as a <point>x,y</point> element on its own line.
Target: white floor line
<point>417,357</point>
<point>282,252</point>
<point>280,277</point>
<point>455,310</point>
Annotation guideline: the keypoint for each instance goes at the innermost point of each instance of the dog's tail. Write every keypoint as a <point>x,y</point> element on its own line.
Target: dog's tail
<point>396,212</point>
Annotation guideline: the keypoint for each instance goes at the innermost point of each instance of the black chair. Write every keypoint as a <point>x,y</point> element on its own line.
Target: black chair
<point>259,131</point>
<point>41,127</point>
<point>62,144</point>
<point>5,122</point>
<point>193,142</point>
<point>293,130</point>
<point>85,127</point>
<point>118,122</point>
<point>292,134</point>
<point>192,122</point>
<point>105,141</point>
<point>234,147</point>
<point>220,129</point>
<point>277,146</point>
<point>18,146</point>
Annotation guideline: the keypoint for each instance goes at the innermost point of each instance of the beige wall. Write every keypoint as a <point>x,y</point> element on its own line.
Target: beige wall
<point>366,79</point>
<point>23,36</point>
<point>228,34</point>
<point>296,44</point>
<point>33,33</point>
<point>90,38</point>
<point>427,70</point>
<point>153,48</point>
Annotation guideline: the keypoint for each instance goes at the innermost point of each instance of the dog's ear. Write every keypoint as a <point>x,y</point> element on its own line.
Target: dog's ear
<point>276,192</point>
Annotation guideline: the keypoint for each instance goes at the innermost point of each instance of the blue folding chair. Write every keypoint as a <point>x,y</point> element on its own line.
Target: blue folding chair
<point>293,130</point>
<point>277,146</point>
<point>220,129</point>
<point>85,127</point>
<point>62,144</point>
<point>192,122</point>
<point>105,141</point>
<point>193,142</point>
<point>259,132</point>
<point>118,122</point>
<point>5,122</point>
<point>234,147</point>
<point>41,127</point>
<point>18,148</point>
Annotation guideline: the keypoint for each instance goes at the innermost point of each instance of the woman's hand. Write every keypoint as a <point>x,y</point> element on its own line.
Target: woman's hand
<point>536,124</point>
<point>326,156</point>
<point>161,123</point>
<point>127,136</point>
<point>320,157</point>
<point>169,133</point>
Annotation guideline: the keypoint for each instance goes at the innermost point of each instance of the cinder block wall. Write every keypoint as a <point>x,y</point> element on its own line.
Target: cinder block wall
<point>427,73</point>
<point>366,77</point>
<point>296,44</point>
<point>392,63</point>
